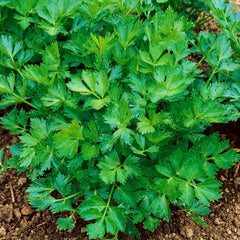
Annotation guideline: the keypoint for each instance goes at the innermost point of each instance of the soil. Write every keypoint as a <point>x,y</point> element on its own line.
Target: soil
<point>18,220</point>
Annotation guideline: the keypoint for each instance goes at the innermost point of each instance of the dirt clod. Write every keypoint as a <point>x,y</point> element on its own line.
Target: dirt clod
<point>6,212</point>
<point>2,231</point>
<point>22,181</point>
<point>27,210</point>
<point>3,179</point>
<point>218,221</point>
<point>17,213</point>
<point>237,181</point>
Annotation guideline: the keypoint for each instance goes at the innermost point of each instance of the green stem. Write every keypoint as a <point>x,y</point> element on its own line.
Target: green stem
<point>25,101</point>
<point>71,196</point>
<point>210,78</point>
<point>30,104</point>
<point>192,43</point>
<point>214,71</point>
<point>108,202</point>
<point>203,57</point>
<point>20,73</point>
<point>94,94</point>
<point>181,180</point>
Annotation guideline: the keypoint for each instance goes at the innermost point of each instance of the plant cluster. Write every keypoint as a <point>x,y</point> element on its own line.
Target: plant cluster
<point>110,111</point>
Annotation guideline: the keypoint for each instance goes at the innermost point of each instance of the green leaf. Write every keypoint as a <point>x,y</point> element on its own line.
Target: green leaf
<point>91,214</point>
<point>160,207</point>
<point>118,217</point>
<point>66,223</point>
<point>131,230</point>
<point>8,48</point>
<point>187,191</point>
<point>199,220</point>
<point>198,208</point>
<point>165,169</point>
<point>90,132</point>
<point>154,58</point>
<point>16,121</point>
<point>145,126</point>
<point>96,230</point>
<point>119,115</point>
<point>58,95</point>
<point>110,225</point>
<point>171,83</point>
<point>227,159</point>
<point>38,74</point>
<point>7,84</point>
<point>97,104</point>
<point>110,168</point>
<point>125,195</point>
<point>61,185</point>
<point>95,83</point>
<point>124,134</point>
<point>99,45</point>
<point>61,206</point>
<point>127,31</point>
<point>89,150</point>
<point>51,57</point>
<point>192,167</point>
<point>94,202</point>
<point>162,1</point>
<point>67,140</point>
<point>208,191</point>
<point>151,223</point>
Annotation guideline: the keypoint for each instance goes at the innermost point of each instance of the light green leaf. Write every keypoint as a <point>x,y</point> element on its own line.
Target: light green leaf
<point>7,84</point>
<point>7,46</point>
<point>96,230</point>
<point>66,223</point>
<point>145,126</point>
<point>67,140</point>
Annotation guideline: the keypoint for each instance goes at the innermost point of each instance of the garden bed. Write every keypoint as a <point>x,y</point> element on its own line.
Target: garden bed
<point>18,220</point>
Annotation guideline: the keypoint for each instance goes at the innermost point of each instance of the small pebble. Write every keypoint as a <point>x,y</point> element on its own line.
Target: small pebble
<point>237,181</point>
<point>218,221</point>
<point>2,231</point>
<point>21,181</point>
<point>17,213</point>
<point>227,190</point>
<point>189,233</point>
<point>26,211</point>
<point>222,178</point>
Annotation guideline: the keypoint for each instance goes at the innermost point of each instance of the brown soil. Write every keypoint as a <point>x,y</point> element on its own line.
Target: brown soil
<point>19,221</point>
